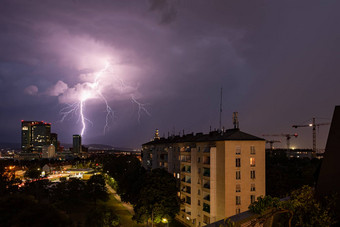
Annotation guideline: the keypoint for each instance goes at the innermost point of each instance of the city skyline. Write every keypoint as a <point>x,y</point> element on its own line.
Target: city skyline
<point>276,62</point>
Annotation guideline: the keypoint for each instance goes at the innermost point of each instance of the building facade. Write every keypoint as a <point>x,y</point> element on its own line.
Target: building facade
<point>77,148</point>
<point>220,173</point>
<point>35,135</point>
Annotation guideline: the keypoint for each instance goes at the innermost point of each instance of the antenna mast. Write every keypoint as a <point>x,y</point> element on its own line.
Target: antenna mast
<point>221,109</point>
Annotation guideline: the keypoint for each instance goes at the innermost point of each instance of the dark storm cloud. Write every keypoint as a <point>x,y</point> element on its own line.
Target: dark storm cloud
<point>276,60</point>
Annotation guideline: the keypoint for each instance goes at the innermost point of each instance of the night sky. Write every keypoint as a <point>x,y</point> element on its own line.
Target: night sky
<point>277,61</point>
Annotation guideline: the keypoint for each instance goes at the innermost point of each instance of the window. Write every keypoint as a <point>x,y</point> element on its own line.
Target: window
<point>238,150</point>
<point>238,188</point>
<point>238,175</point>
<point>198,160</point>
<point>252,149</point>
<point>238,200</point>
<point>252,198</point>
<point>199,171</point>
<point>199,192</point>
<point>252,174</point>
<point>252,187</point>
<point>238,210</point>
<point>252,162</point>
<point>238,162</point>
<point>199,203</point>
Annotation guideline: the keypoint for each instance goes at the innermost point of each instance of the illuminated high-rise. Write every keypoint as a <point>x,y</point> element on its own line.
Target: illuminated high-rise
<point>34,135</point>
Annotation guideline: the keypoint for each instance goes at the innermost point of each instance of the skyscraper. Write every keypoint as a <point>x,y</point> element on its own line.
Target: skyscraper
<point>34,135</point>
<point>76,143</point>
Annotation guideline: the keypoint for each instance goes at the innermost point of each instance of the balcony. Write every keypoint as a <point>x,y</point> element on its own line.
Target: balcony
<point>206,172</point>
<point>206,207</point>
<point>186,179</point>
<point>207,197</point>
<point>186,158</point>
<point>206,185</point>
<point>206,160</point>
<point>186,189</point>
<point>186,169</point>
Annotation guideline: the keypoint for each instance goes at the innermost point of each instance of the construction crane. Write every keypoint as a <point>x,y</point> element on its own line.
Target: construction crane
<point>288,137</point>
<point>271,142</point>
<point>313,125</point>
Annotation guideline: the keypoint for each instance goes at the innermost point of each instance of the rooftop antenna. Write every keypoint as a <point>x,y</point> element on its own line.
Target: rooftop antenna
<point>221,109</point>
<point>235,120</point>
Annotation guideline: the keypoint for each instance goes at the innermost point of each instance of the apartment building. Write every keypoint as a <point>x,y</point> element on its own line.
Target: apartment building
<point>220,173</point>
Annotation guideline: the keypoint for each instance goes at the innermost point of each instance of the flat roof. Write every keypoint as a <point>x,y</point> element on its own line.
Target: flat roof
<point>230,134</point>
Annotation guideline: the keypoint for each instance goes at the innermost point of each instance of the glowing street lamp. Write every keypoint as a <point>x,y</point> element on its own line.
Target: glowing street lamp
<point>164,220</point>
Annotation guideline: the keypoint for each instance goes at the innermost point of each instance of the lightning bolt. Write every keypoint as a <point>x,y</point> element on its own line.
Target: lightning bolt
<point>94,88</point>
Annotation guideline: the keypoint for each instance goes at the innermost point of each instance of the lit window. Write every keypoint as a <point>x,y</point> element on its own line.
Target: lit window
<point>238,188</point>
<point>238,150</point>
<point>252,162</point>
<point>252,149</point>
<point>252,174</point>
<point>238,200</point>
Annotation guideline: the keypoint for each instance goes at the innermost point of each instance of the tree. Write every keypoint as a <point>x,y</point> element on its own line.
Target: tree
<point>158,198</point>
<point>33,173</point>
<point>129,175</point>
<point>96,188</point>
<point>101,217</point>
<point>23,210</point>
<point>302,208</point>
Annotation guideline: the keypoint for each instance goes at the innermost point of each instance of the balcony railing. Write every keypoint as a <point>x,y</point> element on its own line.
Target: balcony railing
<point>206,173</point>
<point>207,197</point>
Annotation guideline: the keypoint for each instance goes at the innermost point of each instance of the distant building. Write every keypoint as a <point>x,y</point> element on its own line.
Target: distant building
<point>328,184</point>
<point>220,173</point>
<point>34,135</point>
<point>48,151</point>
<point>54,141</point>
<point>292,153</point>
<point>77,148</point>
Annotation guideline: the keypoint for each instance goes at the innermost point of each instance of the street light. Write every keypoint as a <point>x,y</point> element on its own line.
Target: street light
<point>164,220</point>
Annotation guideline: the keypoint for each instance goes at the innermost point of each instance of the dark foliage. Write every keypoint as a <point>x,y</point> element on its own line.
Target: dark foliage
<point>101,217</point>
<point>96,188</point>
<point>20,210</point>
<point>158,197</point>
<point>129,175</point>
<point>284,175</point>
